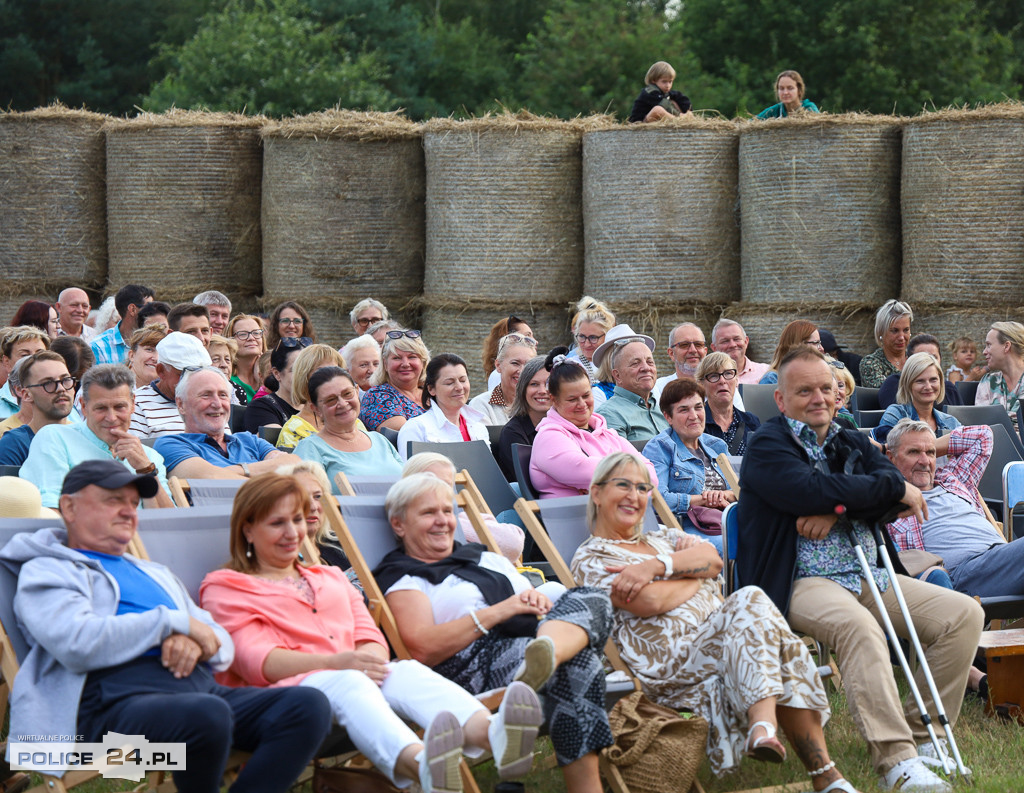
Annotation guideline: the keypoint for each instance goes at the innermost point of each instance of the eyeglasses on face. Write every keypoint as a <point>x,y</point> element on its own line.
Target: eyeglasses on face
<point>409,334</point>
<point>365,322</point>
<point>714,377</point>
<point>814,343</point>
<point>291,321</point>
<point>243,335</point>
<point>643,488</point>
<point>685,345</point>
<point>301,341</point>
<point>583,338</point>
<point>50,386</point>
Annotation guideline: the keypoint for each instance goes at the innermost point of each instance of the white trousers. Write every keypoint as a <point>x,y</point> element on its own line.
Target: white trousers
<point>373,715</point>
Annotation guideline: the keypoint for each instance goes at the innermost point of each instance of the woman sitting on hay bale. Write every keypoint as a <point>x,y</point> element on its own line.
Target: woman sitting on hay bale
<point>892,332</point>
<point>789,88</point>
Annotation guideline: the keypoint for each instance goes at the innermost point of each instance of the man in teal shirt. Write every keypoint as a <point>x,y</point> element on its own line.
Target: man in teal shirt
<point>631,410</point>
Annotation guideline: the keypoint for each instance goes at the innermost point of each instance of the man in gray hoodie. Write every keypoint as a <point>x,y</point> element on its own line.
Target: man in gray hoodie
<point>117,645</point>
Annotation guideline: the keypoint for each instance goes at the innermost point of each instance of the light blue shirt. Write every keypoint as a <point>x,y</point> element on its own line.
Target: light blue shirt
<point>381,459</point>
<point>110,346</point>
<point>58,448</point>
<point>8,402</point>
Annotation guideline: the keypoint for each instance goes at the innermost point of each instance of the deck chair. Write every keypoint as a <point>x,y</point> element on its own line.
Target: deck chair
<point>475,457</point>
<point>203,492</point>
<point>729,472</point>
<point>270,434</point>
<point>970,415</point>
<point>759,400</point>
<point>363,485</point>
<point>1013,494</point>
<point>237,419</point>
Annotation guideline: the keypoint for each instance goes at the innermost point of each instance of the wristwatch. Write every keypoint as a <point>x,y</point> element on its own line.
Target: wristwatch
<point>665,559</point>
<point>245,470</point>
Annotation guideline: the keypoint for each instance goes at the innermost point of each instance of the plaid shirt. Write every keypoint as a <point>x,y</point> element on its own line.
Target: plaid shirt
<point>833,556</point>
<point>969,451</point>
<point>110,346</point>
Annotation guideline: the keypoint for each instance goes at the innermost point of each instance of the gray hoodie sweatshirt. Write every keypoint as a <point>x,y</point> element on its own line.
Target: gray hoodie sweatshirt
<point>66,608</point>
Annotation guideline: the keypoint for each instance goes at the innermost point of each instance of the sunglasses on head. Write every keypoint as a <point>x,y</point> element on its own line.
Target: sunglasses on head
<point>409,334</point>
<point>289,343</point>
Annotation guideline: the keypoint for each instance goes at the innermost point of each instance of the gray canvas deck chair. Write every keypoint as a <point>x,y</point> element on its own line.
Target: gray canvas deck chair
<point>203,492</point>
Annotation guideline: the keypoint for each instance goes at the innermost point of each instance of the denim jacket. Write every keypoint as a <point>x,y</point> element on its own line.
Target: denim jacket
<point>680,471</point>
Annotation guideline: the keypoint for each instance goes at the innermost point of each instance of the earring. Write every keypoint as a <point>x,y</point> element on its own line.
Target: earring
<point>248,551</point>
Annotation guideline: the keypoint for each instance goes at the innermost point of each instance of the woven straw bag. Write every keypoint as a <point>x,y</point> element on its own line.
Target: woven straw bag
<point>656,750</point>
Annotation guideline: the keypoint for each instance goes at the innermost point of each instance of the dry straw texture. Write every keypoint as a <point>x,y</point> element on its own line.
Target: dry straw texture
<point>658,321</point>
<point>183,203</point>
<point>659,209</point>
<point>948,324</point>
<point>52,201</point>
<point>343,213</point>
<point>448,329</point>
<point>851,325</point>
<point>963,207</point>
<point>820,208</point>
<point>503,210</point>
<point>330,316</point>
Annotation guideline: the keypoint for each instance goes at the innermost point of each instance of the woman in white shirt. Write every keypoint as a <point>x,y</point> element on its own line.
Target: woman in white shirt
<point>514,350</point>
<point>448,418</point>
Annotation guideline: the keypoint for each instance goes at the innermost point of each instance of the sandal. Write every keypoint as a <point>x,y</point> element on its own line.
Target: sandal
<point>839,785</point>
<point>768,748</point>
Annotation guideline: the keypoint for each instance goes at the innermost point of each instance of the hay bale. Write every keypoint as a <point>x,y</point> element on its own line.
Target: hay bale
<point>947,324</point>
<point>963,206</point>
<point>183,203</point>
<point>343,214</point>
<point>331,316</point>
<point>10,303</point>
<point>52,200</point>
<point>659,211</point>
<point>503,218</point>
<point>852,325</point>
<point>658,322</point>
<point>448,329</point>
<point>820,208</point>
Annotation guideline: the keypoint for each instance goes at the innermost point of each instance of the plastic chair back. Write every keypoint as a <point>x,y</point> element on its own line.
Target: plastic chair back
<point>968,390</point>
<point>1003,451</point>
<point>494,432</point>
<point>868,419</point>
<point>760,400</point>
<point>237,420</point>
<point>864,398</point>
<point>475,457</point>
<point>270,434</point>
<point>992,415</point>
<point>9,470</point>
<point>521,454</point>
<point>1013,494</point>
<point>390,434</point>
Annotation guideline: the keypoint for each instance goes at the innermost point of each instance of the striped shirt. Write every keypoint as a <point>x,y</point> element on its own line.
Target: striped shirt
<point>154,414</point>
<point>110,346</point>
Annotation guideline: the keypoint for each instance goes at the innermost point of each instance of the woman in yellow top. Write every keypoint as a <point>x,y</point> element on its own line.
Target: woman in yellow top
<point>306,422</point>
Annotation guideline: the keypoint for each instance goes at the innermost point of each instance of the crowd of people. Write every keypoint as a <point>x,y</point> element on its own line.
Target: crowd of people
<point>96,419</point>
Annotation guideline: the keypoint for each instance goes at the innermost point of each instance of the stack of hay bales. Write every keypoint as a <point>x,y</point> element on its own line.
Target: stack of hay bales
<point>820,225</point>
<point>660,213</point>
<point>343,196</point>
<point>183,204</point>
<point>504,230</point>
<point>963,219</point>
<point>52,205</point>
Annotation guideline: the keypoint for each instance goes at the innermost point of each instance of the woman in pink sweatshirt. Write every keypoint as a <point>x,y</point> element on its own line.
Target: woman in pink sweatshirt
<point>307,626</point>
<point>572,439</point>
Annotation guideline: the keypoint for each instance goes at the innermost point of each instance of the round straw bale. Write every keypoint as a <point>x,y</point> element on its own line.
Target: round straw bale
<point>503,214</point>
<point>660,212</point>
<point>343,214</point>
<point>851,325</point>
<point>183,203</point>
<point>658,322</point>
<point>463,331</point>
<point>963,207</point>
<point>52,200</point>
<point>820,208</point>
<point>330,316</point>
<point>947,324</point>
<point>10,303</point>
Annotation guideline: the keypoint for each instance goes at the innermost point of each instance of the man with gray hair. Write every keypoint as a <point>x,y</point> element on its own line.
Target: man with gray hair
<point>980,562</point>
<point>729,337</point>
<point>73,310</point>
<point>366,313</point>
<point>687,348</point>
<point>107,403</point>
<point>219,307</point>
<point>631,410</point>
<point>204,450</point>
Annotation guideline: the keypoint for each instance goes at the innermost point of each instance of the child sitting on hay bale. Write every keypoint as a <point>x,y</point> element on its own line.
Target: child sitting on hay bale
<point>658,100</point>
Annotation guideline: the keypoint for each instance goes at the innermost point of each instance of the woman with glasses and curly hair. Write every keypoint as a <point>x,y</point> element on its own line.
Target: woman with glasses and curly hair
<point>289,320</point>
<point>248,331</point>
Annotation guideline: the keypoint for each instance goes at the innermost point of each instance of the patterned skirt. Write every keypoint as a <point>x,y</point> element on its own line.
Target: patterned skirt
<point>573,699</point>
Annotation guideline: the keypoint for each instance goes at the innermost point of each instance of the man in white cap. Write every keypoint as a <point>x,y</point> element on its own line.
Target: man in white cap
<point>156,413</point>
<point>631,410</point>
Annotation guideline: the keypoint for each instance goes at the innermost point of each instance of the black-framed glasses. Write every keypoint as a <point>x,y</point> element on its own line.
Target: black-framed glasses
<point>583,338</point>
<point>244,335</point>
<point>50,386</point>
<point>409,334</point>
<point>300,342</point>
<point>365,322</point>
<point>643,488</point>
<point>187,369</point>
<point>291,321</point>
<point>714,377</point>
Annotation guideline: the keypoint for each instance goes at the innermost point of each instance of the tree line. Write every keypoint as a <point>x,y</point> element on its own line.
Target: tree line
<point>467,57</point>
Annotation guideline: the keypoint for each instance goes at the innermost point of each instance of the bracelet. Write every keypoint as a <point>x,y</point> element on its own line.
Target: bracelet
<point>149,469</point>
<point>822,770</point>
<point>479,625</point>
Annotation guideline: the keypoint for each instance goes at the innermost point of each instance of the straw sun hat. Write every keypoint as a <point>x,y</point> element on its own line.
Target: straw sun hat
<point>19,498</point>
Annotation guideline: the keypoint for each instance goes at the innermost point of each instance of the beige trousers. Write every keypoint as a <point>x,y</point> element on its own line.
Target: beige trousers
<point>948,624</point>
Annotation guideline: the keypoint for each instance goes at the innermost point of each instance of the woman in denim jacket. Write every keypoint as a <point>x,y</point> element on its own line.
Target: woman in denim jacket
<point>684,457</point>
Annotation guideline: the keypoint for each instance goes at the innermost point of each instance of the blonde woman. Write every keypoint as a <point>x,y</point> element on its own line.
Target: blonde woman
<point>922,387</point>
<point>305,422</point>
<point>592,321</point>
<point>397,392</point>
<point>248,331</point>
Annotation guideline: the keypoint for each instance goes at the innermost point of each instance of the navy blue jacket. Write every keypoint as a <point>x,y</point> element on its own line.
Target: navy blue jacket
<point>778,484</point>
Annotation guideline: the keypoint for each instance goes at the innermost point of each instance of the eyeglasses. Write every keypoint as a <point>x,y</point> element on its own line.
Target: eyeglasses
<point>643,488</point>
<point>291,321</point>
<point>519,338</point>
<point>288,343</point>
<point>409,334</point>
<point>837,364</point>
<point>714,377</point>
<point>365,322</point>
<point>243,335</point>
<point>583,338</point>
<point>50,386</point>
<point>685,345</point>
<point>813,342</point>
<point>191,369</point>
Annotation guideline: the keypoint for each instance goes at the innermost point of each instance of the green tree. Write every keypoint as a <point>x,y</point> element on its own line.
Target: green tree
<point>268,56</point>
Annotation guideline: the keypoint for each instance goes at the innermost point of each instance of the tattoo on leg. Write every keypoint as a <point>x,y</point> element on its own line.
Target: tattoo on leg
<point>811,753</point>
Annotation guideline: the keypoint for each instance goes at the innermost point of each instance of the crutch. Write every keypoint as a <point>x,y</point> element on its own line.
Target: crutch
<point>926,719</point>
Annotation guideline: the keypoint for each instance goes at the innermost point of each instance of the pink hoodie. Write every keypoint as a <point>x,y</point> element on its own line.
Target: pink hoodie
<point>262,615</point>
<point>565,457</point>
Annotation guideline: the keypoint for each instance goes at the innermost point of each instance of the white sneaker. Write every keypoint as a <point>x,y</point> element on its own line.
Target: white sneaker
<point>926,752</point>
<point>913,776</point>
<point>513,730</point>
<point>442,752</point>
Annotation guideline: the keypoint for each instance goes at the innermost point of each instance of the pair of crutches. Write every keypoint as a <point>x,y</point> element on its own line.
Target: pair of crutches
<point>955,763</point>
